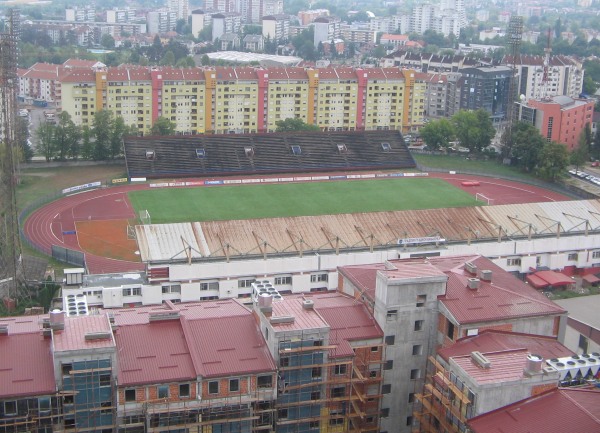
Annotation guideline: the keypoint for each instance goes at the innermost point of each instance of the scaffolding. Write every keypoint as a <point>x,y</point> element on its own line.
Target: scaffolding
<point>319,392</point>
<point>445,403</point>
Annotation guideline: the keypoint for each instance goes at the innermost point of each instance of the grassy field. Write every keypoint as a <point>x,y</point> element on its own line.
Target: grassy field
<point>284,200</point>
<point>459,162</point>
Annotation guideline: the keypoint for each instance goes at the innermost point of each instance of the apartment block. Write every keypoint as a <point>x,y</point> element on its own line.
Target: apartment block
<point>423,304</point>
<point>120,15</point>
<point>559,118</point>
<point>84,13</point>
<point>276,27</point>
<point>233,100</point>
<point>487,88</point>
<point>484,372</point>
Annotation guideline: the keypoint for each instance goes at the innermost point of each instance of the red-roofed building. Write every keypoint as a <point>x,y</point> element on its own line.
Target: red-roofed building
<point>329,352</point>
<point>423,303</point>
<point>556,411</point>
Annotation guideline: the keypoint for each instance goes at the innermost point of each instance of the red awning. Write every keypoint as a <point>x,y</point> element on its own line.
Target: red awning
<point>536,282</point>
<point>591,278</point>
<point>555,279</point>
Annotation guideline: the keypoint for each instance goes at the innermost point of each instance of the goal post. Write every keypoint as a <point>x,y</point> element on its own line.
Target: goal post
<point>131,232</point>
<point>483,198</point>
<point>145,217</point>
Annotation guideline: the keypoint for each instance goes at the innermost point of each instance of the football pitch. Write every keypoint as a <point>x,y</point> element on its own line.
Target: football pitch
<point>171,205</point>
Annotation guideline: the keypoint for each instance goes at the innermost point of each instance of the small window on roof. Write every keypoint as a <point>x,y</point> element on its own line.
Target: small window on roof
<point>385,146</point>
<point>342,148</point>
<point>200,153</point>
<point>150,155</point>
<point>249,151</point>
<point>296,150</point>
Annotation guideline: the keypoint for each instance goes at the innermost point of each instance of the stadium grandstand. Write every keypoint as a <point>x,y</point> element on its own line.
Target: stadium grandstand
<point>209,155</point>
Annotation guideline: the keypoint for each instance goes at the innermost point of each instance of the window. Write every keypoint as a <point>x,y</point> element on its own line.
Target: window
<point>130,395</point>
<point>316,372</point>
<point>243,284</point>
<point>106,407</point>
<point>317,278</point>
<point>375,349</point>
<point>385,412</point>
<point>163,391</point>
<point>417,349</point>
<point>338,391</point>
<point>572,256</point>
<point>450,330</point>
<point>282,413</point>
<point>411,397</point>
<point>265,381</point>
<point>174,288</point>
<point>386,388</point>
<point>313,424</point>
<point>372,373</point>
<point>392,315</point>
<point>213,387</point>
<point>315,395</point>
<point>513,262</point>
<point>583,343</point>
<point>184,390</point>
<point>596,255</point>
<point>10,408</point>
<point>336,421</point>
<point>390,340</point>
<point>389,364</point>
<point>418,325</point>
<point>415,373</point>
<point>282,281</point>
<point>126,292</point>
<point>66,369</point>
<point>213,285</point>
<point>340,369</point>
<point>136,291</point>
<point>409,420</point>
<point>234,385</point>
<point>284,361</point>
<point>421,300</point>
<point>105,380</point>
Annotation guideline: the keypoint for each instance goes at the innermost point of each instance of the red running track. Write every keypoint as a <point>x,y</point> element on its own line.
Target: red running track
<point>46,226</point>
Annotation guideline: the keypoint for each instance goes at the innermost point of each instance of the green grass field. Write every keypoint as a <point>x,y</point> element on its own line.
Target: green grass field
<point>170,205</point>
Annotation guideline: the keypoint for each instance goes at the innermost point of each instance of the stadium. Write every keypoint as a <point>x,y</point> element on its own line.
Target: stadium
<point>202,217</point>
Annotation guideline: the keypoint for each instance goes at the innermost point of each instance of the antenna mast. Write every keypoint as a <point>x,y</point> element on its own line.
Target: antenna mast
<point>10,242</point>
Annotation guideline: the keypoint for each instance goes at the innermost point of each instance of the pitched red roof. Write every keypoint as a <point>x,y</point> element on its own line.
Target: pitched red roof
<point>495,341</point>
<point>153,353</point>
<point>572,410</point>
<point>502,298</point>
<point>76,328</point>
<point>25,365</point>
<point>210,339</point>
<point>348,320</point>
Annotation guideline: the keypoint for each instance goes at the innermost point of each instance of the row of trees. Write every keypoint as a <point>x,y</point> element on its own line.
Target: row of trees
<point>523,145</point>
<point>100,142</point>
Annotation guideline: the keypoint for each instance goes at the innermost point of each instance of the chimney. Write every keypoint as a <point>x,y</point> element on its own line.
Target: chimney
<point>533,365</point>
<point>485,275</point>
<point>471,268</point>
<point>480,360</point>
<point>473,283</point>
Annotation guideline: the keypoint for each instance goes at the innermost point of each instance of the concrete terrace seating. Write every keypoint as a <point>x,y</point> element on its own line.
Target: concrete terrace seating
<point>212,155</point>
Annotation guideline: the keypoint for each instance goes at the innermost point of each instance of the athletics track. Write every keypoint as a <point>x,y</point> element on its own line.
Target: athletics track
<point>55,223</point>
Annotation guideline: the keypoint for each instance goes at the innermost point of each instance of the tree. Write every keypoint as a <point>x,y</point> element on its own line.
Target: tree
<point>553,160</point>
<point>102,128</point>
<point>438,133</point>
<point>205,60</point>
<point>107,41</point>
<point>168,59</point>
<point>119,130</point>
<point>581,154</point>
<point>474,129</point>
<point>22,137</point>
<point>87,147</point>
<point>527,143</point>
<point>163,126</point>
<point>294,124</point>
<point>595,148</point>
<point>66,136</point>
<point>45,136</point>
